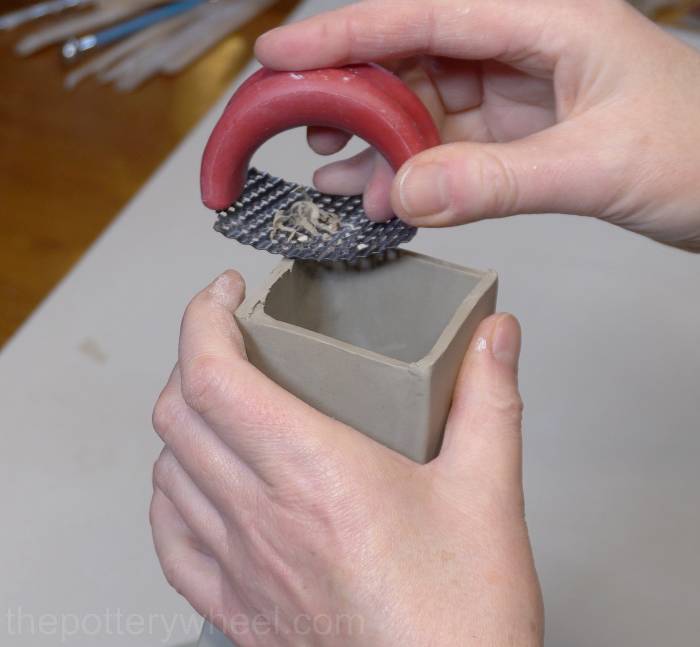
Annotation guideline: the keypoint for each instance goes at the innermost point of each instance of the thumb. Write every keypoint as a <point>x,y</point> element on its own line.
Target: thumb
<point>558,170</point>
<point>483,431</point>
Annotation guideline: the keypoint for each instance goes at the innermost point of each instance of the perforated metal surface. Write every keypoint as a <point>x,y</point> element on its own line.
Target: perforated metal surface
<point>249,221</point>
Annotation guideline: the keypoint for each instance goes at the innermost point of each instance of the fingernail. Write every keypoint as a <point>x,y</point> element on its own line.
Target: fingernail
<point>270,32</point>
<point>423,190</point>
<point>505,341</point>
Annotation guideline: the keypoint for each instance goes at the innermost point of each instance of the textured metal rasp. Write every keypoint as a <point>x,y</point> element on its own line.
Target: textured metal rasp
<point>249,221</point>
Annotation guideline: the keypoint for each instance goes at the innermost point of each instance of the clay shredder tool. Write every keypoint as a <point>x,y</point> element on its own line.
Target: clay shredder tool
<point>363,100</point>
<point>289,219</point>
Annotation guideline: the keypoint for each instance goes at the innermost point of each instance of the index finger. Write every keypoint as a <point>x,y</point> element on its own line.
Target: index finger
<point>376,30</point>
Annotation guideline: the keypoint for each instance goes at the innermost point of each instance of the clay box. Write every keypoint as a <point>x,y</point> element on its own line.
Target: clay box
<point>377,347</point>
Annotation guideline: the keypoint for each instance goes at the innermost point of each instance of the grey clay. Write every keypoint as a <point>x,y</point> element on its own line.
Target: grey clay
<point>378,348</point>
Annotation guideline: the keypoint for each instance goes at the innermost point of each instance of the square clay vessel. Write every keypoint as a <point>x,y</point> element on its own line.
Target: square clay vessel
<point>377,347</point>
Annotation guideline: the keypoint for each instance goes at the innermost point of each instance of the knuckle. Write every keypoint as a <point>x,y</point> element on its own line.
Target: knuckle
<point>500,408</point>
<point>498,186</point>
<point>204,382</point>
<point>162,473</point>
<point>152,512</point>
<point>168,414</point>
<point>351,29</point>
<point>175,570</point>
<point>509,407</point>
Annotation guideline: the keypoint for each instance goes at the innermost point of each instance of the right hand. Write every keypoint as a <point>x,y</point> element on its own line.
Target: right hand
<point>579,106</point>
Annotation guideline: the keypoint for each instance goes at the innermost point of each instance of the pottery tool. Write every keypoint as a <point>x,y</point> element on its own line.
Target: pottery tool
<point>141,38</point>
<point>76,46</point>
<point>289,219</point>
<point>102,62</point>
<point>39,10</point>
<point>168,46</point>
<point>104,13</point>
<point>211,23</point>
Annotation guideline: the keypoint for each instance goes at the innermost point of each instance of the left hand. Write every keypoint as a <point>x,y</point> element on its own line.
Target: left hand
<point>283,526</point>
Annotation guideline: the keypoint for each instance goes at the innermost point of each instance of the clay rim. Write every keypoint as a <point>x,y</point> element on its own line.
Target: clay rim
<point>255,306</point>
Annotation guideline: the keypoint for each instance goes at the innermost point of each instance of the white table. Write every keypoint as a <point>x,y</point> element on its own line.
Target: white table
<point>612,432</point>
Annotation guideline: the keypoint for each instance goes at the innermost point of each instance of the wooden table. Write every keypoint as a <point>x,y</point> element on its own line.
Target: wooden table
<point>70,160</point>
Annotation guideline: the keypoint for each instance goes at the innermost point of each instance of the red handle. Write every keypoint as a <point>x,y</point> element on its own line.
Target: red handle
<point>365,100</point>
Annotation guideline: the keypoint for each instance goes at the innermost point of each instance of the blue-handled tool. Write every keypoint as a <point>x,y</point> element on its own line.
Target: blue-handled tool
<point>76,46</point>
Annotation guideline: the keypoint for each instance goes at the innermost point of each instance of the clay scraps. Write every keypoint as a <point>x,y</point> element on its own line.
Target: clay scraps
<point>304,220</point>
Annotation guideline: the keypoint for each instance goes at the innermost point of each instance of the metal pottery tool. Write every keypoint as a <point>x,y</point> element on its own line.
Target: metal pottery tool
<point>289,219</point>
<point>81,44</point>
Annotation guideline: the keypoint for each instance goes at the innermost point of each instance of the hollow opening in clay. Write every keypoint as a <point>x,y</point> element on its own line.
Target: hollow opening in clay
<point>398,308</point>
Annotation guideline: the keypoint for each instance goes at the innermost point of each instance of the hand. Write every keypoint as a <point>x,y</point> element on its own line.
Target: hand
<point>582,107</point>
<point>285,527</point>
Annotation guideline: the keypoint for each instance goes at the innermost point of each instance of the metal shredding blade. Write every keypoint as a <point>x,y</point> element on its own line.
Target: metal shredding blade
<point>249,221</point>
